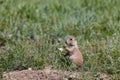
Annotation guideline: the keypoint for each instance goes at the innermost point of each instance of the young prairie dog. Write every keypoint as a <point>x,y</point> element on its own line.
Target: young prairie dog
<point>72,48</point>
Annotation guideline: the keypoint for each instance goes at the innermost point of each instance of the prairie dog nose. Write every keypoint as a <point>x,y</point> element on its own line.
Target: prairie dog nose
<point>65,42</point>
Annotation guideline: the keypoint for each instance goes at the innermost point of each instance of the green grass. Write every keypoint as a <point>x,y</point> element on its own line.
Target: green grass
<point>35,26</point>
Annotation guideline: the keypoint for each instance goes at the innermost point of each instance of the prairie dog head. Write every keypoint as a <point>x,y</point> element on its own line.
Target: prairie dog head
<point>70,41</point>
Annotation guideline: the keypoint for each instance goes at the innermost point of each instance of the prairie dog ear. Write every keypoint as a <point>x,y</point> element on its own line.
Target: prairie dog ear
<point>75,39</point>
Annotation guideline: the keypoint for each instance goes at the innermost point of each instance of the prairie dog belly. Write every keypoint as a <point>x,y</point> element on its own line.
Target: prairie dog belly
<point>76,56</point>
<point>78,60</point>
<point>73,57</point>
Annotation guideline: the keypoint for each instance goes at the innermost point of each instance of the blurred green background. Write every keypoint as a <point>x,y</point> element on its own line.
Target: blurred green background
<point>29,30</point>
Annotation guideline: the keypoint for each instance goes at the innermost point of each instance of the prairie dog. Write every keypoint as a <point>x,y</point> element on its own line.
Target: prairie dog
<point>72,48</point>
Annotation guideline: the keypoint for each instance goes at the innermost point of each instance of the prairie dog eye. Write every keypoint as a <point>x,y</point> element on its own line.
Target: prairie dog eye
<point>71,39</point>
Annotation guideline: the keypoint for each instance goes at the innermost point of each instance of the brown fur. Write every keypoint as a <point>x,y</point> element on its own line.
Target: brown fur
<point>73,50</point>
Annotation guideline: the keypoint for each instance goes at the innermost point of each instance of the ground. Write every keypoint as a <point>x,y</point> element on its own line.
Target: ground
<point>49,74</point>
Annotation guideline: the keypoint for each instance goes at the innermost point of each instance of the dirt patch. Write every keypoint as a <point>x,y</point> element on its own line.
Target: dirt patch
<point>48,74</point>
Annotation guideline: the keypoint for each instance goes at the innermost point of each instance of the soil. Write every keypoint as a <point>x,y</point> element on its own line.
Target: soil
<point>48,74</point>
